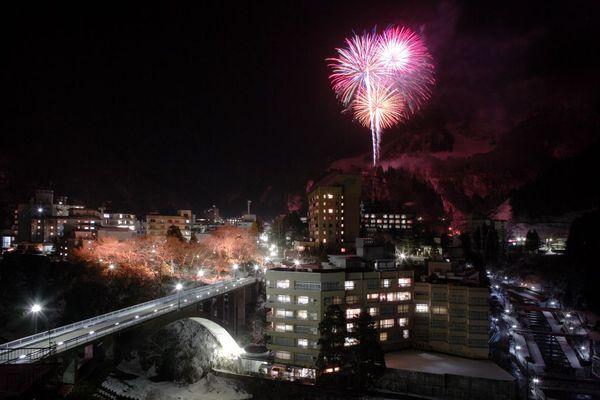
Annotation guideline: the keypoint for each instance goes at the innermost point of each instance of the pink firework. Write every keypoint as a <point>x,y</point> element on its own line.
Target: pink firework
<point>402,52</point>
<point>382,78</point>
<point>356,67</point>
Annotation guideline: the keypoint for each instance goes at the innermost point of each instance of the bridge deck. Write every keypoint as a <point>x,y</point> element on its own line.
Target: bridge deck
<point>35,347</point>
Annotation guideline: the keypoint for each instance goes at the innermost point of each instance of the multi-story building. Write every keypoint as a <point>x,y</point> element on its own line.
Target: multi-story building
<point>119,220</point>
<point>438,310</point>
<point>159,224</point>
<point>374,217</point>
<point>452,316</point>
<point>299,297</point>
<point>334,211</point>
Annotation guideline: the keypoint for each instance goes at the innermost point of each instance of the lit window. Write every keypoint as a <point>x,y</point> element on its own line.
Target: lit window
<point>383,336</point>
<point>385,283</point>
<point>285,284</point>
<point>349,285</point>
<point>373,311</point>
<point>283,298</point>
<point>352,313</point>
<point>403,296</point>
<point>439,310</point>
<point>386,323</point>
<point>302,300</point>
<point>330,196</point>
<point>372,296</point>
<point>350,342</point>
<point>421,308</point>
<point>349,326</point>
<point>402,322</point>
<point>302,314</point>
<point>404,282</point>
<point>405,334</point>
<point>283,355</point>
<point>303,343</point>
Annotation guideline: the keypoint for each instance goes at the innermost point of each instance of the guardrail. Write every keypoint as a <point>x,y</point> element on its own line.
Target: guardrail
<point>157,307</point>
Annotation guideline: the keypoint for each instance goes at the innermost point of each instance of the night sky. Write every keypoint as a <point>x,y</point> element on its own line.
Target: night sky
<point>144,108</point>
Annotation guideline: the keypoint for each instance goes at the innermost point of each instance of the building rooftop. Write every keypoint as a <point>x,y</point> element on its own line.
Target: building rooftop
<point>438,363</point>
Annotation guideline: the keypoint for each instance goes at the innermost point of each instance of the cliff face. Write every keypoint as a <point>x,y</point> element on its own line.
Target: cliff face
<point>474,175</point>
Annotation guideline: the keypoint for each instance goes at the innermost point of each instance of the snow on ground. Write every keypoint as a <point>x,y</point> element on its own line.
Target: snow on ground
<point>438,363</point>
<point>141,387</point>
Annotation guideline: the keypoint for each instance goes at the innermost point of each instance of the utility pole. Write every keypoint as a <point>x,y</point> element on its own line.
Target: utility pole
<point>249,202</point>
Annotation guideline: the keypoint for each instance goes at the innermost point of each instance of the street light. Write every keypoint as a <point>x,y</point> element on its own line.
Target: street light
<point>296,262</point>
<point>111,266</point>
<point>200,273</point>
<point>35,310</point>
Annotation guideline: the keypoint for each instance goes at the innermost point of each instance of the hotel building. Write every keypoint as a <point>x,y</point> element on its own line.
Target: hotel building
<point>334,211</point>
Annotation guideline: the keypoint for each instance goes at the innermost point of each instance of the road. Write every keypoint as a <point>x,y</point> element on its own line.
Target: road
<point>35,347</point>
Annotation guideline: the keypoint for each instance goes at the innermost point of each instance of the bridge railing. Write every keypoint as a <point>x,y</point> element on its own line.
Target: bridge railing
<point>122,312</point>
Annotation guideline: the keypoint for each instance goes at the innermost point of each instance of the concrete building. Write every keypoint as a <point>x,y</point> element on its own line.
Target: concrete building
<point>377,218</point>
<point>334,211</point>
<point>432,308</point>
<point>452,316</point>
<point>299,297</point>
<point>159,224</point>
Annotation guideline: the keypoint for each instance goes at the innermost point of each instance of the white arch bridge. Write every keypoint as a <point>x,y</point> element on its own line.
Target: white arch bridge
<point>33,348</point>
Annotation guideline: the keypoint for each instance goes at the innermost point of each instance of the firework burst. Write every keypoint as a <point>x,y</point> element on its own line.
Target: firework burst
<point>382,78</point>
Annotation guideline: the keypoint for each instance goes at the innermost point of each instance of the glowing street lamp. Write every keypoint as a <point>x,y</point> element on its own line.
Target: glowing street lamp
<point>296,262</point>
<point>111,266</point>
<point>200,273</point>
<point>403,256</point>
<point>35,310</point>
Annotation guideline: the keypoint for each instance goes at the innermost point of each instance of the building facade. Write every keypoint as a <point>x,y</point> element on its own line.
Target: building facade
<point>452,318</point>
<point>334,211</point>
<point>299,297</point>
<point>449,316</point>
<point>158,225</point>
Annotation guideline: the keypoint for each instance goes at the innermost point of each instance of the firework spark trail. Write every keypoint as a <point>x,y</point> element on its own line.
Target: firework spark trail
<point>382,78</point>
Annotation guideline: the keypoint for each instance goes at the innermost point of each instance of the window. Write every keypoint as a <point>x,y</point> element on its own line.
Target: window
<point>403,308</point>
<point>350,342</point>
<point>404,282</point>
<point>373,311</point>
<point>386,323</point>
<point>439,310</point>
<point>302,343</point>
<point>349,326</point>
<point>302,300</point>
<point>352,299</point>
<point>327,286</point>
<point>403,296</point>
<point>302,314</point>
<point>307,286</point>
<point>386,283</point>
<point>337,300</point>
<point>283,355</point>
<point>285,284</point>
<point>421,308</point>
<point>284,328</point>
<point>306,329</point>
<point>383,336</point>
<point>405,334</point>
<point>352,313</point>
<point>373,296</point>
<point>349,285</point>
<point>402,322</point>
<point>283,298</point>
<point>280,313</point>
